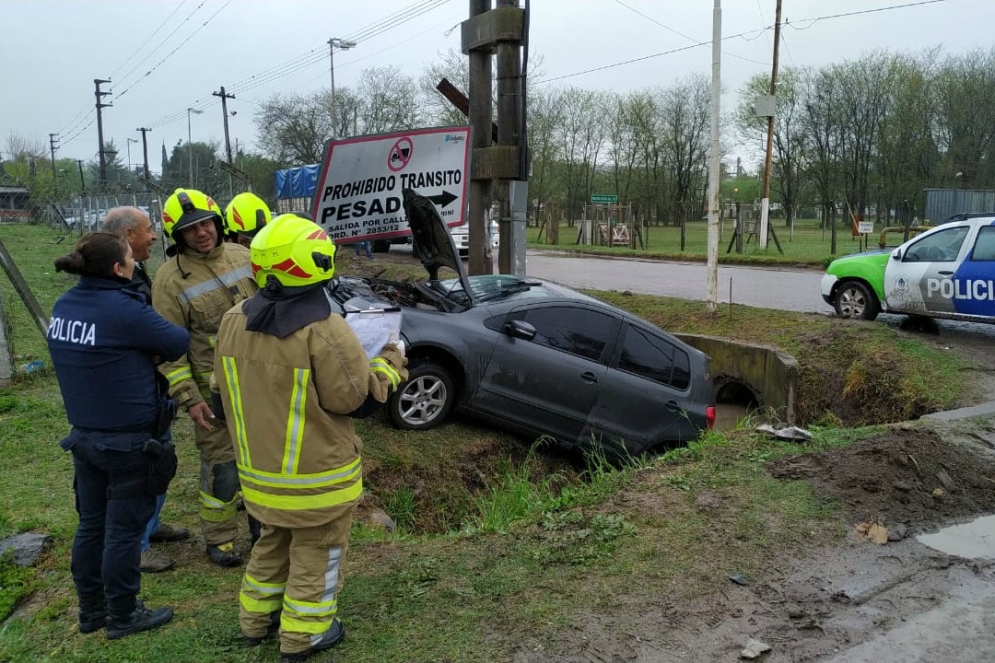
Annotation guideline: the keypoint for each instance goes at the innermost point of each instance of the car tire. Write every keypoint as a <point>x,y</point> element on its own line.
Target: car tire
<point>424,400</point>
<point>381,246</point>
<point>855,300</point>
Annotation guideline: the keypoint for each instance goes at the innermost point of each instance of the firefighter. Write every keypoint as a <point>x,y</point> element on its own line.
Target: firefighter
<point>292,375</point>
<point>206,278</point>
<point>246,215</point>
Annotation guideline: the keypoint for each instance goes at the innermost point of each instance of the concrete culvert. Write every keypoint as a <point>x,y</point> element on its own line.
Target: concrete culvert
<point>734,401</point>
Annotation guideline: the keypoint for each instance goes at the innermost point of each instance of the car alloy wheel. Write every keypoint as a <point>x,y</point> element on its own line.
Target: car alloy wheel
<point>855,300</point>
<point>424,400</point>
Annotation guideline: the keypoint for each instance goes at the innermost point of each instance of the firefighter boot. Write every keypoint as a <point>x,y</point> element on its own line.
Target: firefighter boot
<point>333,636</point>
<point>224,554</point>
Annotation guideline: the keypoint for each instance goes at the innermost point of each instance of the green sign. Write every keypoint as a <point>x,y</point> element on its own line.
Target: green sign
<point>604,198</point>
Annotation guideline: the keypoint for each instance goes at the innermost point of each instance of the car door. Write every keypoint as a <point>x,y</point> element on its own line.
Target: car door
<point>646,396</point>
<point>974,280</point>
<point>918,279</point>
<point>549,383</point>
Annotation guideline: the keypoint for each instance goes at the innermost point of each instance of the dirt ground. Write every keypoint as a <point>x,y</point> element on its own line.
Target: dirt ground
<point>893,603</point>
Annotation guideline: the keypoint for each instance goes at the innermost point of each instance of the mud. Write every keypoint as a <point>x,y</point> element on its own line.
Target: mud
<point>906,476</point>
<point>896,603</point>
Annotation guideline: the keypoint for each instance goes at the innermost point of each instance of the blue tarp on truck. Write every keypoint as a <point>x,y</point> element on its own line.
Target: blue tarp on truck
<point>297,182</point>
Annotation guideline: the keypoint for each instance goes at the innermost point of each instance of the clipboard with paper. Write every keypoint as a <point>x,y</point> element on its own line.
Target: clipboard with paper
<point>374,324</point>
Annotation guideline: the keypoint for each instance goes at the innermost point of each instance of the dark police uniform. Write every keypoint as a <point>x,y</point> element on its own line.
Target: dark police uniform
<point>103,339</point>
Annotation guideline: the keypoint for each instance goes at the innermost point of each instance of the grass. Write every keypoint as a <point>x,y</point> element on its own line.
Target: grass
<point>500,547</point>
<point>807,245</point>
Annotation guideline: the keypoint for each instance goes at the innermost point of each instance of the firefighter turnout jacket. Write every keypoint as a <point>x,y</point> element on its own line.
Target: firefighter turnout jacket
<point>194,291</point>
<point>288,402</point>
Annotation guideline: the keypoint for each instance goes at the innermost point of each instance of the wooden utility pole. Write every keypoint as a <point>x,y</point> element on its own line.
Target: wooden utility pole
<point>224,109</point>
<point>53,145</point>
<point>481,111</point>
<point>145,150</point>
<point>765,199</point>
<point>501,29</point>
<point>97,82</point>
<point>509,74</point>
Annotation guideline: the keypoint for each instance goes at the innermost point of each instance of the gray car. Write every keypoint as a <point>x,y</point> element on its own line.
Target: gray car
<point>533,356</point>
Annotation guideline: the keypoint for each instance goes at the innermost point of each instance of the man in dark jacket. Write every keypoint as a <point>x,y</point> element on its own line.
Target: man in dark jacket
<point>137,229</point>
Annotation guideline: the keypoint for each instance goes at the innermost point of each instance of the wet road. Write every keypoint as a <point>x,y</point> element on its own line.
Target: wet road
<point>780,288</point>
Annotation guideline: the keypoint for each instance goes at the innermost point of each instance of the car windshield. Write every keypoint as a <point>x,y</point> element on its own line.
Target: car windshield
<point>485,288</point>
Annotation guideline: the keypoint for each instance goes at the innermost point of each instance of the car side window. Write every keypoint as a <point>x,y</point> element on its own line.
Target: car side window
<point>654,358</point>
<point>984,246</point>
<point>942,246</point>
<point>572,329</point>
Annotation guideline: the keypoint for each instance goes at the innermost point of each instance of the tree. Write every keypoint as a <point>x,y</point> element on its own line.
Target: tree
<point>389,100</point>
<point>789,135</point>
<point>293,128</point>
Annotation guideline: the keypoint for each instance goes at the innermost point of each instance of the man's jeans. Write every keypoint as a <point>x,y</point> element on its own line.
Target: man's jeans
<point>113,508</point>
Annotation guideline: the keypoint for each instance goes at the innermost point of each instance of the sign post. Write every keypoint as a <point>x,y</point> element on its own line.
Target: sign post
<point>604,198</point>
<point>358,194</point>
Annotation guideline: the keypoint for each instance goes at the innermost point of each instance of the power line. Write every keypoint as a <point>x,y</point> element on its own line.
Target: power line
<point>178,47</point>
<point>161,43</point>
<point>862,11</point>
<point>154,32</point>
<point>319,54</point>
<point>741,35</point>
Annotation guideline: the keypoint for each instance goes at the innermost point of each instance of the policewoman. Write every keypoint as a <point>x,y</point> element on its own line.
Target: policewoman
<point>105,339</point>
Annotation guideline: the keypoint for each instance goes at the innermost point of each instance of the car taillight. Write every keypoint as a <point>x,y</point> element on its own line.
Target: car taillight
<point>710,416</point>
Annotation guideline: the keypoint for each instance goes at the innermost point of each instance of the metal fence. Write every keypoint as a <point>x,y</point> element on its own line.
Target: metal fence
<point>84,213</point>
<point>942,204</point>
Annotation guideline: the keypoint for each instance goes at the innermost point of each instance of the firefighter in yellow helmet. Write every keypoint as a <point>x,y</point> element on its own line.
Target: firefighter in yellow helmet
<point>207,277</point>
<point>292,375</point>
<point>246,215</point>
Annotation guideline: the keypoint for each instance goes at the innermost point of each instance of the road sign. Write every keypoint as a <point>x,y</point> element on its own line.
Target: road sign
<point>358,196</point>
<point>865,227</point>
<point>604,198</point>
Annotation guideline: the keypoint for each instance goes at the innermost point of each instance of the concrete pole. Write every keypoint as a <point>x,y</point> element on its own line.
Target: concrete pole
<point>481,109</point>
<point>765,199</point>
<point>714,165</point>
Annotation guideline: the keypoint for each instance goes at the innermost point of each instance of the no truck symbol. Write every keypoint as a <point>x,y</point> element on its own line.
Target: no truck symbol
<point>400,154</point>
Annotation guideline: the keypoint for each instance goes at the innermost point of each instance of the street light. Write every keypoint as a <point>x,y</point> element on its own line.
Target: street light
<point>190,142</point>
<point>342,45</point>
<point>130,141</point>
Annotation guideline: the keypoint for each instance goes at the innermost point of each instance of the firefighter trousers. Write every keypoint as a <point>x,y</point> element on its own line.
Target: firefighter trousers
<point>219,487</point>
<point>298,571</point>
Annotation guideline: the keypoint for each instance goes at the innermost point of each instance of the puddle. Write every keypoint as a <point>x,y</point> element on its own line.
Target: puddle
<point>974,540</point>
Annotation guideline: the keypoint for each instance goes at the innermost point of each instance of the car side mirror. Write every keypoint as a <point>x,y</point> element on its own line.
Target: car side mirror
<point>896,254</point>
<point>520,329</point>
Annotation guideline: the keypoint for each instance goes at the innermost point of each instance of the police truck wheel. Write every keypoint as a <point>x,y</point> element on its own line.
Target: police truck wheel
<point>856,300</point>
<point>424,400</point>
<point>381,246</point>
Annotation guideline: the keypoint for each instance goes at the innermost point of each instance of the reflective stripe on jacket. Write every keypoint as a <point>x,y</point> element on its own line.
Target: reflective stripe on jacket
<point>194,291</point>
<point>287,402</point>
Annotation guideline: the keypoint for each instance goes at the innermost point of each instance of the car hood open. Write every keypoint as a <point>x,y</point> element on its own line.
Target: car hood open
<point>432,243</point>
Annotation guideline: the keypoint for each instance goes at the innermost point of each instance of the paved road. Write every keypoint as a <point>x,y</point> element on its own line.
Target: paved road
<point>780,288</point>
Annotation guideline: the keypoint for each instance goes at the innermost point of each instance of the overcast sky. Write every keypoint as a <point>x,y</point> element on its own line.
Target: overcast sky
<point>52,50</point>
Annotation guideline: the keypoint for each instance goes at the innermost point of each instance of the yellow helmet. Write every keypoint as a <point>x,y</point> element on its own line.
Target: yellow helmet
<point>293,250</point>
<point>246,214</point>
<point>185,208</point>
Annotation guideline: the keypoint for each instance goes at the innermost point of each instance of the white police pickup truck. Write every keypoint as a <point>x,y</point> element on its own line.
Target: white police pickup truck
<point>945,272</point>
